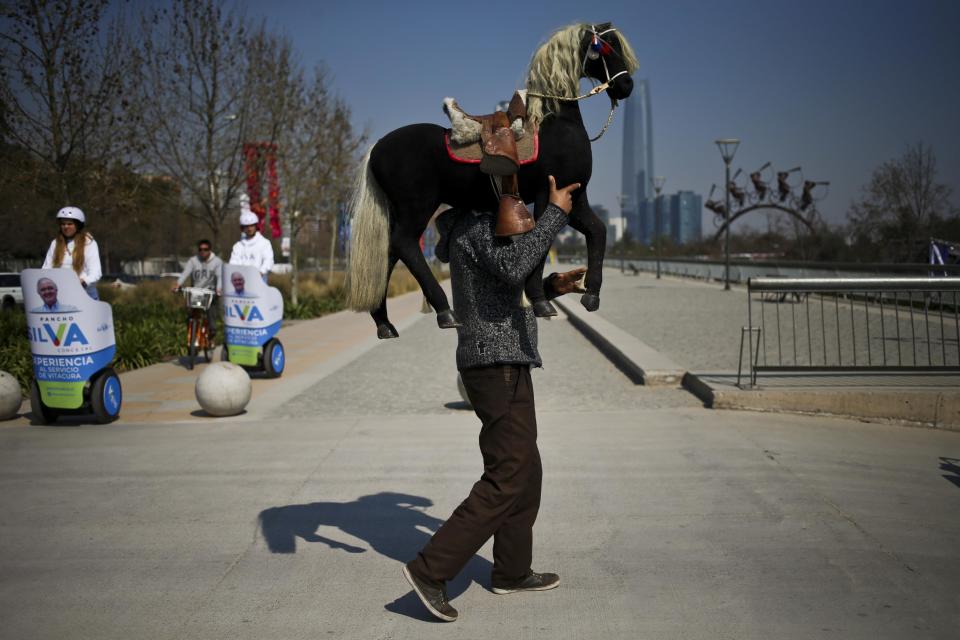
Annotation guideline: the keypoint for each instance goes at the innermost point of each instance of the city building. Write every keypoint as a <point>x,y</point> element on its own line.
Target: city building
<point>680,216</point>
<point>643,224</point>
<point>637,175</point>
<point>685,215</point>
<point>615,227</point>
<point>679,213</point>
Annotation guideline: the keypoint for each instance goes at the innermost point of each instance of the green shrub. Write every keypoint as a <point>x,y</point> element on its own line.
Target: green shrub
<point>145,293</point>
<point>15,348</point>
<point>145,333</point>
<point>311,307</point>
<point>148,333</point>
<point>150,322</point>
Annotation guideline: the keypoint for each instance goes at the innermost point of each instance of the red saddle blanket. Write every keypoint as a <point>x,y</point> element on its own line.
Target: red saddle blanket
<point>528,147</point>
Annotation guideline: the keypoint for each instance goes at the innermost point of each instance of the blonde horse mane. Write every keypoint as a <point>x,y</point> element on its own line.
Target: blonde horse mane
<point>557,66</point>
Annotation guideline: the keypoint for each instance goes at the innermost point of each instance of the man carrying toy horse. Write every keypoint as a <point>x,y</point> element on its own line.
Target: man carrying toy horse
<point>497,346</point>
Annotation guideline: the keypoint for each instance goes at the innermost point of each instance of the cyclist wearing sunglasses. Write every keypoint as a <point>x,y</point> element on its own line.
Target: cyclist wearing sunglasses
<point>204,271</point>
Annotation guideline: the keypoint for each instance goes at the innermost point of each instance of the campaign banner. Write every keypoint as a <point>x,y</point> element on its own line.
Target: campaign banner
<point>71,334</point>
<point>252,312</point>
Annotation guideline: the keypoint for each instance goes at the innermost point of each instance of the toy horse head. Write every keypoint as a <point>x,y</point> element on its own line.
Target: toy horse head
<point>608,58</point>
<point>596,51</point>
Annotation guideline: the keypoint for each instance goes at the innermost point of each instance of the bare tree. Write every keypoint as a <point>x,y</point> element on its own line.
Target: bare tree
<point>902,204</point>
<point>277,84</point>
<point>193,100</point>
<point>278,87</point>
<point>62,66</point>
<point>60,86</point>
<point>318,151</point>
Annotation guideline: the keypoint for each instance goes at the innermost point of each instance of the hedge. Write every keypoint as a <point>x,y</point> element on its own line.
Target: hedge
<point>150,321</point>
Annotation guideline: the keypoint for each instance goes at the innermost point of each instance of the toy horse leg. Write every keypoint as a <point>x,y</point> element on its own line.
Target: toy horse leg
<point>542,308</point>
<point>409,251</point>
<point>584,220</point>
<point>385,328</point>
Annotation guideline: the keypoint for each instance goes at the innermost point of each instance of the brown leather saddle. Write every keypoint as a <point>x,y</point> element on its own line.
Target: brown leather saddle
<point>499,143</point>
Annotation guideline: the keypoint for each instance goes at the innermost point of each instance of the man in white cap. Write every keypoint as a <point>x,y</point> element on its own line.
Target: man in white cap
<point>252,249</point>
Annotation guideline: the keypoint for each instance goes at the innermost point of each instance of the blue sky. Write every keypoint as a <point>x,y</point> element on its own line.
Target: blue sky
<point>836,87</point>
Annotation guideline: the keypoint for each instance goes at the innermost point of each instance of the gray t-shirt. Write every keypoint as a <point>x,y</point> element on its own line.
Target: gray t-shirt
<point>204,274</point>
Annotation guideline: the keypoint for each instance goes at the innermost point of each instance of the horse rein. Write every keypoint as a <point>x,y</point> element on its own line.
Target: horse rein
<point>597,89</point>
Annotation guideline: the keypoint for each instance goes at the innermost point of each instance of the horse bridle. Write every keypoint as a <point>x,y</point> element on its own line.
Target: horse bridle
<point>601,48</point>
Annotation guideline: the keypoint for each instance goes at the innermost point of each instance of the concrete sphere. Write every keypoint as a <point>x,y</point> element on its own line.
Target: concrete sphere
<point>223,389</point>
<point>10,397</point>
<point>463,391</point>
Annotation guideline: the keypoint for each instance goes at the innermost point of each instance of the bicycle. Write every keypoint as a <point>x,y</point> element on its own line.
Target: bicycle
<point>198,301</point>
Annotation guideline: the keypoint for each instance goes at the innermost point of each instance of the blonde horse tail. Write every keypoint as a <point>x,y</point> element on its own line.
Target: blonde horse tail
<point>369,241</point>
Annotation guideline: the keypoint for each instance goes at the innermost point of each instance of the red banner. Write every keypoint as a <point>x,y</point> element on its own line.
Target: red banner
<point>254,154</point>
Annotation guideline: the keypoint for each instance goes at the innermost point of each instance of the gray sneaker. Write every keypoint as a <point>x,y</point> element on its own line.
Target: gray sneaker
<point>533,582</point>
<point>433,598</point>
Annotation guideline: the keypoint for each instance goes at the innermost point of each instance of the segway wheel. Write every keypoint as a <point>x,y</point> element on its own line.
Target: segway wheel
<point>41,412</point>
<point>106,396</point>
<point>274,358</point>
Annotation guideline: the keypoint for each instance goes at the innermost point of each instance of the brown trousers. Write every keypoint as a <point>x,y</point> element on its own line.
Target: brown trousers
<point>505,501</point>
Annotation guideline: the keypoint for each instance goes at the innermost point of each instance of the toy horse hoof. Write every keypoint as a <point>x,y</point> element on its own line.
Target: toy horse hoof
<point>544,309</point>
<point>446,320</point>
<point>385,331</point>
<point>590,301</point>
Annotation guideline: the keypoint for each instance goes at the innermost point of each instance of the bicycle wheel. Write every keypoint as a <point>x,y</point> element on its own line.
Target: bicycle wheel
<point>205,344</point>
<point>191,343</point>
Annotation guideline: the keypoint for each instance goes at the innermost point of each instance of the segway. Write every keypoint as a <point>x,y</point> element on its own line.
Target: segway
<point>252,315</point>
<point>72,341</point>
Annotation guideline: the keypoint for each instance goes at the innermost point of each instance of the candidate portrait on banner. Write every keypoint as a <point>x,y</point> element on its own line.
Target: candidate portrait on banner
<point>47,289</point>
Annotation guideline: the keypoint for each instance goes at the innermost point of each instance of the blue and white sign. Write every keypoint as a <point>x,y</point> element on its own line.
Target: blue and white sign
<point>252,312</point>
<point>71,335</point>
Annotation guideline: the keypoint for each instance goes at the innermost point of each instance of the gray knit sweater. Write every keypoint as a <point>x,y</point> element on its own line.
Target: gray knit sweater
<point>204,274</point>
<point>488,274</point>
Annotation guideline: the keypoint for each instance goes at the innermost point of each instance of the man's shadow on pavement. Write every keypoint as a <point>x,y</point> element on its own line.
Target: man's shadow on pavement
<point>387,521</point>
<point>951,465</point>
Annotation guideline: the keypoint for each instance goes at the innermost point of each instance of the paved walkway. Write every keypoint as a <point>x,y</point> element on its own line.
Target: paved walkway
<point>697,326</point>
<point>165,392</point>
<point>664,519</point>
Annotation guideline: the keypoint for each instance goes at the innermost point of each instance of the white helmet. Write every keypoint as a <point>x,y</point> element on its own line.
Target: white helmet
<point>248,217</point>
<point>71,213</point>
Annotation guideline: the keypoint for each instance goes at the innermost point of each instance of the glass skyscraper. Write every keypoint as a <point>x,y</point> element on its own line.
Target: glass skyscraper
<point>679,213</point>
<point>684,216</point>
<point>637,179</point>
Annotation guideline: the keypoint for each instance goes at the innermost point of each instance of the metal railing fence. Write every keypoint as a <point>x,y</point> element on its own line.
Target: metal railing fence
<point>743,270</point>
<point>851,325</point>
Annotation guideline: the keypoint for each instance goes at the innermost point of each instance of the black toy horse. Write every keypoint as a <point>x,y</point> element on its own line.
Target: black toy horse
<point>408,174</point>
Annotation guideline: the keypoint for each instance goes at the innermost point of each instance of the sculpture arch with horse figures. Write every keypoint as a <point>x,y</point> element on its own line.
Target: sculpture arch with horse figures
<point>407,175</point>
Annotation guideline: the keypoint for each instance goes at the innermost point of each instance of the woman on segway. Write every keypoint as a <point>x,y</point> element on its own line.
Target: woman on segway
<point>74,248</point>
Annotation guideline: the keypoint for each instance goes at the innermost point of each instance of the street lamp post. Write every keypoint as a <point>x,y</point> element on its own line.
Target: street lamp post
<point>728,147</point>
<point>658,183</point>
<point>623,226</point>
